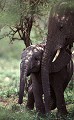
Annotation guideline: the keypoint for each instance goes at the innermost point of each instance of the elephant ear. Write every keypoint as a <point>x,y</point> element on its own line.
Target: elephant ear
<point>62,60</point>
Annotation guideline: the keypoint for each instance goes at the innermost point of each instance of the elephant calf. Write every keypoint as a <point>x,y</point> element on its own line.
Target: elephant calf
<point>60,75</point>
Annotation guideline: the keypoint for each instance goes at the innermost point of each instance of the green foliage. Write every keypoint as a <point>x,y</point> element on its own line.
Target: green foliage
<point>20,113</point>
<point>12,11</point>
<point>9,15</point>
<point>16,113</point>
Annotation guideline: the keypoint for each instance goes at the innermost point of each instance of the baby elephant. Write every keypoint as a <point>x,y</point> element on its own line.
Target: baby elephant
<point>62,70</point>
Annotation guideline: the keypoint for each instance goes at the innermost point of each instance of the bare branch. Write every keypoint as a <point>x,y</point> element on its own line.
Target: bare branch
<point>12,29</point>
<point>20,34</point>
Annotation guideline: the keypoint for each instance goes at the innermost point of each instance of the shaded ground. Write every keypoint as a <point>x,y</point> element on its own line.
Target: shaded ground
<point>10,110</point>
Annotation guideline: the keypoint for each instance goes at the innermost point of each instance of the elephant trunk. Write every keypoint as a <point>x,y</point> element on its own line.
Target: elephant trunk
<point>23,74</point>
<point>48,57</point>
<point>46,83</point>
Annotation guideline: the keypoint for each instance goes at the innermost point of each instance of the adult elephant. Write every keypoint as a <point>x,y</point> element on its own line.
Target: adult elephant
<point>59,76</point>
<point>60,35</point>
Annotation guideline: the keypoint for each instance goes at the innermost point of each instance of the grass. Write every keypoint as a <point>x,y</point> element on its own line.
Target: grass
<point>9,76</point>
<point>9,87</point>
<point>14,114</point>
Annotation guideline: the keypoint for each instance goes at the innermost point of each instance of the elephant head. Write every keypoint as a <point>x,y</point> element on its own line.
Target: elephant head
<point>60,35</point>
<point>30,62</point>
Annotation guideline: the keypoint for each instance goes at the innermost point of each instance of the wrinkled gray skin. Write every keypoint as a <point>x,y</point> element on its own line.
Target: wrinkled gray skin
<point>31,58</point>
<point>60,35</point>
<point>59,77</point>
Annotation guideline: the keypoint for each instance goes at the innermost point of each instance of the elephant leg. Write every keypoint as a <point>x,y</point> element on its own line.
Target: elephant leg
<point>30,101</point>
<point>58,81</point>
<point>60,102</point>
<point>37,91</point>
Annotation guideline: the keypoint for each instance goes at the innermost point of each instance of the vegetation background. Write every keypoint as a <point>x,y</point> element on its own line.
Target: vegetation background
<point>15,15</point>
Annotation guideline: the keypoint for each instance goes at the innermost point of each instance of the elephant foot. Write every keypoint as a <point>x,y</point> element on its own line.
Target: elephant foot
<point>20,101</point>
<point>40,109</point>
<point>40,116</point>
<point>48,116</point>
<point>62,115</point>
<point>53,104</point>
<point>30,106</point>
<point>41,112</point>
<point>63,112</point>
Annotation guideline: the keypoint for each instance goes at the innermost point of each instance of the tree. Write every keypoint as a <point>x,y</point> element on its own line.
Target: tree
<point>21,15</point>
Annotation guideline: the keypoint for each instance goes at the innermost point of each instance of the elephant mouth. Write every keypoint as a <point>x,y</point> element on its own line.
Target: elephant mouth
<point>33,70</point>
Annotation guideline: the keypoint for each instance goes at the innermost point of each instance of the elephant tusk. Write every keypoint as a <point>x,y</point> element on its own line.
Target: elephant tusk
<point>73,52</point>
<point>57,54</point>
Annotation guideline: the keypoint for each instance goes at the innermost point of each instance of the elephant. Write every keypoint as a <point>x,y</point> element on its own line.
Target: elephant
<point>60,36</point>
<point>62,70</point>
<point>33,50</point>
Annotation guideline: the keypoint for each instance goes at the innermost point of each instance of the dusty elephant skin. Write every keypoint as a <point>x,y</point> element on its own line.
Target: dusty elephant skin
<point>59,77</point>
<point>60,35</point>
<point>25,65</point>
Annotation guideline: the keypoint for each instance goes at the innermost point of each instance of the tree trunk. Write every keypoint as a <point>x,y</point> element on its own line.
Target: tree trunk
<point>26,33</point>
